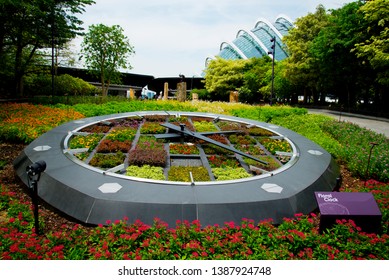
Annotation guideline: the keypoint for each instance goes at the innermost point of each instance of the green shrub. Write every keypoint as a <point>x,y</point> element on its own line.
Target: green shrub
<point>69,85</point>
<point>268,113</point>
<point>64,85</point>
<point>114,107</point>
<point>152,128</point>
<point>146,171</point>
<point>356,145</point>
<point>183,149</point>
<point>203,94</point>
<point>122,134</point>
<point>204,126</point>
<point>310,127</point>
<point>182,173</point>
<point>85,141</point>
<point>229,173</point>
<point>107,160</point>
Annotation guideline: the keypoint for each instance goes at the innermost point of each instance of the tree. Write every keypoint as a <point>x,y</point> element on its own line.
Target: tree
<point>106,50</point>
<point>341,71</point>
<point>27,26</point>
<point>301,67</point>
<point>223,76</point>
<point>256,80</point>
<point>376,47</point>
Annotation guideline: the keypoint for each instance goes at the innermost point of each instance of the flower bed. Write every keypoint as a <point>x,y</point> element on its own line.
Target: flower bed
<point>357,143</point>
<point>132,122</point>
<point>85,141</point>
<point>183,149</point>
<point>222,161</point>
<point>273,164</point>
<point>241,139</point>
<point>25,122</point>
<point>97,128</point>
<point>142,157</point>
<point>251,149</point>
<point>296,238</point>
<point>113,146</point>
<point>230,173</point>
<point>227,126</point>
<point>258,131</point>
<point>148,151</point>
<point>146,171</point>
<point>212,149</point>
<point>107,160</point>
<point>152,128</point>
<point>122,134</point>
<point>204,126</point>
<point>275,145</point>
<point>182,173</point>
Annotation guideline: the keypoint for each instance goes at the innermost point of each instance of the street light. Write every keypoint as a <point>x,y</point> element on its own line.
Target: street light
<point>34,172</point>
<point>273,53</point>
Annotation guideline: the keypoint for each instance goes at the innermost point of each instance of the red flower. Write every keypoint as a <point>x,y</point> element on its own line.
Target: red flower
<point>58,248</point>
<point>14,248</point>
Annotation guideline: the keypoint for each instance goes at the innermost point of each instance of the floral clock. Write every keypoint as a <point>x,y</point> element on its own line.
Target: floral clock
<point>178,166</point>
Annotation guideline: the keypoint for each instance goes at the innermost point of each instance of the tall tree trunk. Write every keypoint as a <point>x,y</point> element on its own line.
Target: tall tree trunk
<point>18,72</point>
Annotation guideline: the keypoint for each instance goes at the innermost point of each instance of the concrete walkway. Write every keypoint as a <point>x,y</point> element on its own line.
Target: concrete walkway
<point>379,125</point>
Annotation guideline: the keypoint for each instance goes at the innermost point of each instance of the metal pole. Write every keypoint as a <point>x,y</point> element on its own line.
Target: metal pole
<point>273,53</point>
<point>272,83</point>
<point>373,144</point>
<point>35,200</point>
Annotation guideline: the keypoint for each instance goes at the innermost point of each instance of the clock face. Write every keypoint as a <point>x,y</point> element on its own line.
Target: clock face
<point>180,148</point>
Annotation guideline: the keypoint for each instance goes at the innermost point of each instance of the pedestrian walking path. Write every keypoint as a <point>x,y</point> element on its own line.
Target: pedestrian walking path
<point>379,125</point>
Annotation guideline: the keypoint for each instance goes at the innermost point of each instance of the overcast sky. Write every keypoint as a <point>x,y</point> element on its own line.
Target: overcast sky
<point>171,37</point>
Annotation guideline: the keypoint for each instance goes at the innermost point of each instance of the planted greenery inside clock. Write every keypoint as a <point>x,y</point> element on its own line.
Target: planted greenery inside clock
<point>181,148</point>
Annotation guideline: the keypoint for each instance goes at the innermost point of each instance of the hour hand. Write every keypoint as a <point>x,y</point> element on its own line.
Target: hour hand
<point>182,131</point>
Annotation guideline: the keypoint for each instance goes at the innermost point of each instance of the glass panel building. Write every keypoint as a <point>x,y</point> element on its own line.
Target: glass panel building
<point>256,42</point>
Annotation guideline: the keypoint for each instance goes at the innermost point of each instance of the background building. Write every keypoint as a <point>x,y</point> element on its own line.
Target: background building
<point>256,42</point>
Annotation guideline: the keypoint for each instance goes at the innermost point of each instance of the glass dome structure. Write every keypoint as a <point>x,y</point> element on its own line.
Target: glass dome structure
<point>256,42</point>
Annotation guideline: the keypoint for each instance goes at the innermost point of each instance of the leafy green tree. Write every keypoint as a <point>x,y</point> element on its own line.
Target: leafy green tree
<point>27,26</point>
<point>340,70</point>
<point>284,90</point>
<point>376,47</point>
<point>223,76</point>
<point>301,67</point>
<point>106,50</point>
<point>256,80</point>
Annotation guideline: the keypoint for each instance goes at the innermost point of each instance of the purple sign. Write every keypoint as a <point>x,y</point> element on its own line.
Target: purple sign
<point>360,207</point>
<point>347,203</point>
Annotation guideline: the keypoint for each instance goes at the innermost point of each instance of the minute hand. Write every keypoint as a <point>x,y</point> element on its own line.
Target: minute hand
<point>209,140</point>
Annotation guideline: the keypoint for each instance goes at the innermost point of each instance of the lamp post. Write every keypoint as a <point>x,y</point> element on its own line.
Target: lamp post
<point>34,172</point>
<point>273,53</point>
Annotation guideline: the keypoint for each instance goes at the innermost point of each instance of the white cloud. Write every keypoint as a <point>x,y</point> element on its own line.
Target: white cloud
<point>176,36</point>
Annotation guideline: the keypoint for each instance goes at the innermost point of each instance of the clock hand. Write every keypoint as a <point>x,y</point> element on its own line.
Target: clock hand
<point>197,135</point>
